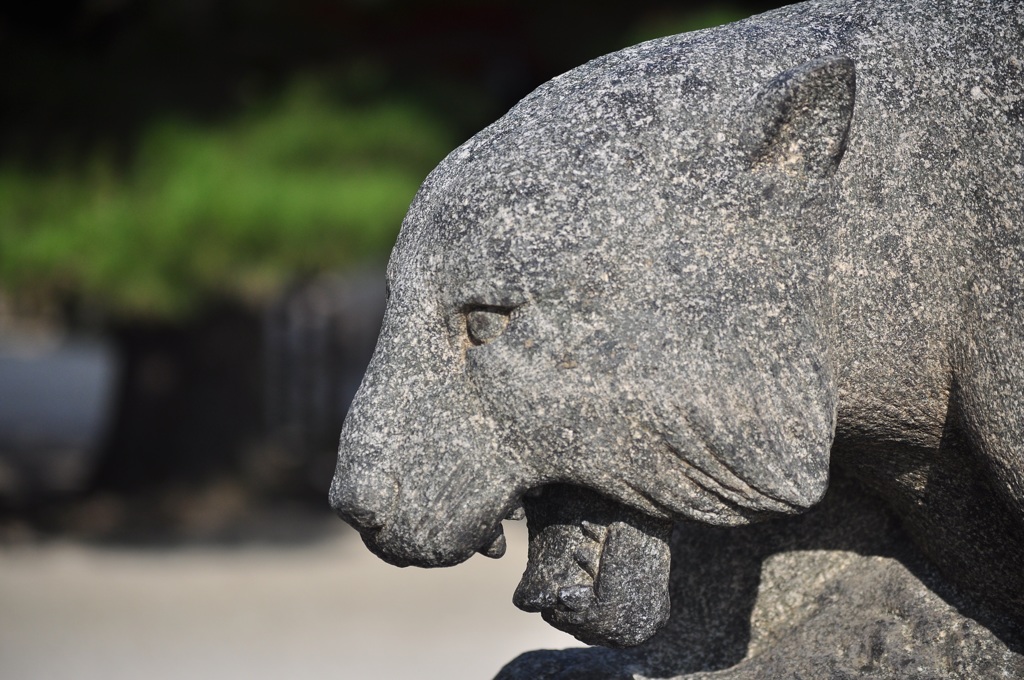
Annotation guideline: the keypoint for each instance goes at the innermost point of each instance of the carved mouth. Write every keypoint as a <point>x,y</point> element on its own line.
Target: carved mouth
<point>596,569</point>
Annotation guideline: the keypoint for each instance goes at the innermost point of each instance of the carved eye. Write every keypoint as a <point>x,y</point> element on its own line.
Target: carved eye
<point>484,324</point>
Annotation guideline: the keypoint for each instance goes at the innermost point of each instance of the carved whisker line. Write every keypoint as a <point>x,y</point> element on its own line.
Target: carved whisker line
<point>719,477</point>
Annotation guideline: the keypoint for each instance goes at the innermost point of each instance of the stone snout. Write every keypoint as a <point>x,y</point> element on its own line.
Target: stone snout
<point>372,503</point>
<point>387,486</point>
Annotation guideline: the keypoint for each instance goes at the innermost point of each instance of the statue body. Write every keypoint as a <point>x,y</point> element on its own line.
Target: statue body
<point>683,282</point>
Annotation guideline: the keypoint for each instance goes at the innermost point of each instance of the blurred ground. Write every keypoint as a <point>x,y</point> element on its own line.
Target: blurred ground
<point>320,607</point>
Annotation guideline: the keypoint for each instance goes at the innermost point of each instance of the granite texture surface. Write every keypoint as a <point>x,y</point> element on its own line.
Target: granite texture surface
<point>840,592</point>
<point>682,285</point>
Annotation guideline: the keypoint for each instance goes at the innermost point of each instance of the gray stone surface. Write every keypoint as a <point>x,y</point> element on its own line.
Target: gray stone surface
<point>839,592</point>
<point>682,283</point>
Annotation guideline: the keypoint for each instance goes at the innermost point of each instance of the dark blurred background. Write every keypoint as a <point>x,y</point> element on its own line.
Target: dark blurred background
<point>196,202</point>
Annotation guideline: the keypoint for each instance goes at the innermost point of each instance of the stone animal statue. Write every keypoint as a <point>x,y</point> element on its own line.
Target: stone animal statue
<point>682,283</point>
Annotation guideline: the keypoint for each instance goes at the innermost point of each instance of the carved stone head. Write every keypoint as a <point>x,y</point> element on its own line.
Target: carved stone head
<point>607,304</point>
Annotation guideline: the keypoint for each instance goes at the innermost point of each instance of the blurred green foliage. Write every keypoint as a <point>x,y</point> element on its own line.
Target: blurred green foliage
<point>286,189</point>
<point>670,21</point>
<point>290,188</point>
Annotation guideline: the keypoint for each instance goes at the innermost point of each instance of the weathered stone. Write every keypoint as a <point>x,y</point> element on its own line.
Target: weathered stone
<point>682,282</point>
<point>840,592</point>
<point>590,559</point>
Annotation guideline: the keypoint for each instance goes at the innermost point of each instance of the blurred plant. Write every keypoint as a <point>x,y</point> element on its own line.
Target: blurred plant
<point>288,189</point>
<point>670,21</point>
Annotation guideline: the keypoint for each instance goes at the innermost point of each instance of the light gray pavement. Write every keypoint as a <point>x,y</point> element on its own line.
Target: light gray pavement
<point>327,609</point>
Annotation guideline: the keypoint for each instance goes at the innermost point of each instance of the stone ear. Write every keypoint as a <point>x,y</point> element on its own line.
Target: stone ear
<point>800,121</point>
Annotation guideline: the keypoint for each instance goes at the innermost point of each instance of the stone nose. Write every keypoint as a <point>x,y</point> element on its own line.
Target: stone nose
<point>365,500</point>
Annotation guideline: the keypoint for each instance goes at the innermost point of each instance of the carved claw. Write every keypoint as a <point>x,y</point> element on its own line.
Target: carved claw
<point>577,598</point>
<point>603,579</point>
<point>588,559</point>
<point>594,532</point>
